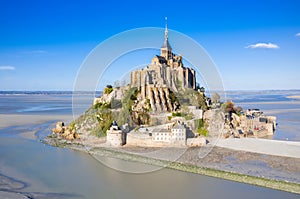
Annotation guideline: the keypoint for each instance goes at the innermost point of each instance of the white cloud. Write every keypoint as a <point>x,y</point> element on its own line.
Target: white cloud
<point>263,45</point>
<point>7,68</point>
<point>298,34</point>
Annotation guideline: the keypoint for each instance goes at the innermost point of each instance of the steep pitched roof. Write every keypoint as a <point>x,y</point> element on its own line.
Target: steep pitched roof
<point>178,126</point>
<point>166,44</point>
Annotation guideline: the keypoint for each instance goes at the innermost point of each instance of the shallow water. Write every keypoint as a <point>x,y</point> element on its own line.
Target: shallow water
<point>35,104</point>
<point>47,169</point>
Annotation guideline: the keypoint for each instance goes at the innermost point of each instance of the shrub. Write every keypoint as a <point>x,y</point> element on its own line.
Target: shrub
<point>105,120</point>
<point>201,127</point>
<point>201,99</point>
<point>203,131</point>
<point>129,96</point>
<point>188,117</point>
<point>172,97</point>
<point>115,104</point>
<point>108,90</point>
<point>102,106</point>
<point>72,125</point>
<point>176,114</point>
<point>228,106</point>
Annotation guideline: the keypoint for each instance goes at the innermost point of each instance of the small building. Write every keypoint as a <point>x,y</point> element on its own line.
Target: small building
<point>173,135</point>
<point>178,134</point>
<point>161,135</point>
<point>114,136</point>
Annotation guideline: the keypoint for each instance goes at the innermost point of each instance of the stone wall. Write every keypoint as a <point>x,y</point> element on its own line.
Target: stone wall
<point>117,93</point>
<point>196,142</point>
<point>114,137</point>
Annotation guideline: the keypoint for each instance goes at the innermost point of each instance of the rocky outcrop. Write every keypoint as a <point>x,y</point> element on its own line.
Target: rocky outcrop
<point>117,93</point>
<point>65,132</point>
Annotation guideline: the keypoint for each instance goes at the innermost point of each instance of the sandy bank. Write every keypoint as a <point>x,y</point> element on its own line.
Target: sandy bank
<point>268,102</point>
<point>7,120</point>
<point>275,172</point>
<point>10,195</point>
<point>263,146</point>
<point>293,97</point>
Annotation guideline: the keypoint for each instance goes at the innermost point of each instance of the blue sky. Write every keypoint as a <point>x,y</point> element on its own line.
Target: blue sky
<point>254,44</point>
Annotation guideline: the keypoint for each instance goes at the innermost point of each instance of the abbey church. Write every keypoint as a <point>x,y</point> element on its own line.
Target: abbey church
<point>166,73</point>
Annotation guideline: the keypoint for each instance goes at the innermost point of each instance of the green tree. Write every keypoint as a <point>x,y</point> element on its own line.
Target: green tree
<point>202,89</point>
<point>229,107</point>
<point>201,127</point>
<point>201,99</point>
<point>129,96</point>
<point>105,119</point>
<point>108,89</point>
<point>123,116</point>
<point>172,97</point>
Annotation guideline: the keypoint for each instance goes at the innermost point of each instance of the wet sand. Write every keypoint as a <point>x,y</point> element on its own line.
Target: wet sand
<point>7,120</point>
<point>11,188</point>
<point>294,97</point>
<point>263,146</point>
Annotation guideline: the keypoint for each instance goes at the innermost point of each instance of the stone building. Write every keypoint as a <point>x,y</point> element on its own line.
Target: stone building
<point>165,73</point>
<point>114,136</point>
<point>173,135</point>
<point>178,133</point>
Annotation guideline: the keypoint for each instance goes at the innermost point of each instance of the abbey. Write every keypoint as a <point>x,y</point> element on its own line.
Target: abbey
<point>166,73</point>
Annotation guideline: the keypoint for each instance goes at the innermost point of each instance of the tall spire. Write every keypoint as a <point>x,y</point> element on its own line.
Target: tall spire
<point>166,29</point>
<point>166,41</point>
